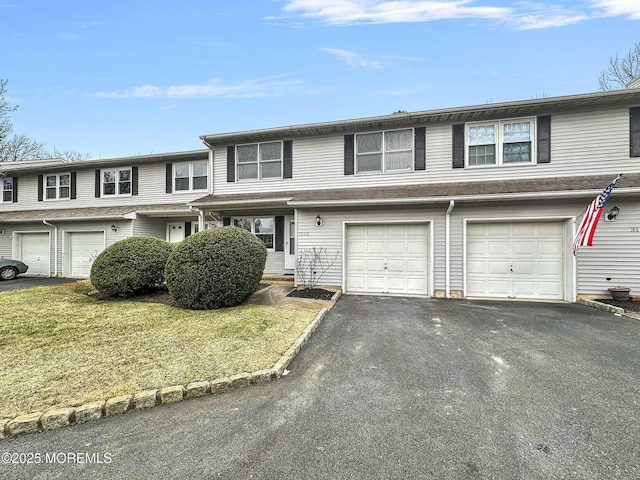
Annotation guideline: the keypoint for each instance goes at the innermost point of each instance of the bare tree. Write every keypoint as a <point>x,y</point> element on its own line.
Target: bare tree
<point>5,109</point>
<point>21,147</point>
<point>621,70</point>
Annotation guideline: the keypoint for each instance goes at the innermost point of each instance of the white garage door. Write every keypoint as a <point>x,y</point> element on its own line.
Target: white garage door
<point>388,258</point>
<point>34,250</point>
<point>515,260</point>
<point>84,247</point>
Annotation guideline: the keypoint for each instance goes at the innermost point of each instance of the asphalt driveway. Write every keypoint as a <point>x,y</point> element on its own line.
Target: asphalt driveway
<point>395,388</point>
<point>21,282</point>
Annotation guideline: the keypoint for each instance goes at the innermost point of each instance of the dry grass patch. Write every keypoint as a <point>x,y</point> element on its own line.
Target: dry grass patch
<point>59,347</point>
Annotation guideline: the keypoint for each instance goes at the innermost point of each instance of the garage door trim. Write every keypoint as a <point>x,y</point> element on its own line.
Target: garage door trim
<point>568,261</point>
<point>67,260</point>
<point>18,236</point>
<point>430,251</point>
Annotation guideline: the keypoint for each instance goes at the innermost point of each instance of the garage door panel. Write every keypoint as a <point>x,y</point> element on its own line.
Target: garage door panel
<point>521,260</point>
<point>84,248</point>
<point>499,247</point>
<point>35,251</point>
<point>387,258</point>
<point>497,267</point>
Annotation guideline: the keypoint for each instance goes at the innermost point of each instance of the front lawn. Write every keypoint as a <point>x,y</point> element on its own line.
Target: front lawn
<point>59,347</point>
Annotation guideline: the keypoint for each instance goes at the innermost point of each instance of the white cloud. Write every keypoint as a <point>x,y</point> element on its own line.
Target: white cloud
<point>266,87</point>
<point>352,58</point>
<point>520,15</point>
<point>344,12</point>
<point>627,8</point>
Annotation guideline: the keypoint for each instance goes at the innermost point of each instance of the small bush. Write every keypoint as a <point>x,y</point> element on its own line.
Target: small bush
<point>215,268</point>
<point>131,266</point>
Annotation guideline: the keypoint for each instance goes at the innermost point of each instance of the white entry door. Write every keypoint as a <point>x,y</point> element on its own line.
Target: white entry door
<point>176,232</point>
<point>391,258</point>
<point>84,248</point>
<point>34,249</point>
<point>515,260</point>
<point>289,242</point>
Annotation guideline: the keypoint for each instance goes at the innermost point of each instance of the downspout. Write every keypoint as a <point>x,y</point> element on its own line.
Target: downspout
<point>200,217</point>
<point>447,250</point>
<point>55,247</point>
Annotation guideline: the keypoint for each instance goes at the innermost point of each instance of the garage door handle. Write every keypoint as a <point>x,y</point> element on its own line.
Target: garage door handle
<point>511,268</point>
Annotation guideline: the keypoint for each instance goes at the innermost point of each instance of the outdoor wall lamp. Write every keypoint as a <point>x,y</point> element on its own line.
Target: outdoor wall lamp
<point>318,220</point>
<point>114,229</point>
<point>613,213</point>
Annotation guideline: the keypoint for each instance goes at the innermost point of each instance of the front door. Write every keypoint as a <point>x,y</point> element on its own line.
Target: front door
<point>289,242</point>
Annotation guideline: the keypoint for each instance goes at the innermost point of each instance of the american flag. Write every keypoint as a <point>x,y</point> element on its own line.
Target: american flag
<point>584,235</point>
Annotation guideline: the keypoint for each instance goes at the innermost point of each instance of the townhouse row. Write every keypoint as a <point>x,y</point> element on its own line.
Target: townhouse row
<point>467,202</point>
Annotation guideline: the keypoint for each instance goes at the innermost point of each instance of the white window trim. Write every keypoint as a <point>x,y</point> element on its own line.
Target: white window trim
<point>384,163</point>
<point>253,224</point>
<point>191,189</point>
<point>259,162</point>
<point>2,190</point>
<point>500,142</point>
<point>57,187</point>
<point>117,192</point>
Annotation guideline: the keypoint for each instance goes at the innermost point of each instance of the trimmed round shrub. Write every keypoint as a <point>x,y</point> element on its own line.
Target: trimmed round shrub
<point>131,266</point>
<point>215,268</point>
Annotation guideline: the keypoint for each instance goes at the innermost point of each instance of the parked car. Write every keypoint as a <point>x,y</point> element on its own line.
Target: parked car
<point>10,269</point>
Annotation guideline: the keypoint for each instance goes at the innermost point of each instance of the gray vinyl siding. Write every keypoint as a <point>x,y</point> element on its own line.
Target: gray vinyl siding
<point>275,263</point>
<point>151,191</point>
<point>614,258</point>
<point>582,143</point>
<point>330,234</point>
<point>150,227</point>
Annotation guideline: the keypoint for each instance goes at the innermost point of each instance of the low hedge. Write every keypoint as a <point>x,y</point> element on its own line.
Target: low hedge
<point>215,268</point>
<point>131,266</point>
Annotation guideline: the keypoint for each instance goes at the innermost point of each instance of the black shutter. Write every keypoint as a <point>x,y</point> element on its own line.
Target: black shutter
<point>40,188</point>
<point>634,132</point>
<point>287,159</point>
<point>73,185</point>
<point>543,132</point>
<point>458,145</point>
<point>349,153</point>
<point>231,163</point>
<point>15,190</point>
<point>134,180</point>
<point>97,192</point>
<point>226,221</point>
<point>279,234</point>
<point>187,229</point>
<point>419,146</point>
<point>169,177</point>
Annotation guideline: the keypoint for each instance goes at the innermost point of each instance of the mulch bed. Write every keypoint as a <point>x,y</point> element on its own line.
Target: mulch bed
<point>313,293</point>
<point>628,306</point>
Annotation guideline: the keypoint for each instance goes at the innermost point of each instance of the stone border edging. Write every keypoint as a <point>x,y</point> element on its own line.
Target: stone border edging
<point>601,306</point>
<point>64,417</point>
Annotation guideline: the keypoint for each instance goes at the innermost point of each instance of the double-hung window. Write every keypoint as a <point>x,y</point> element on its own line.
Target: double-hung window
<point>261,227</point>
<point>384,151</point>
<point>259,161</point>
<point>57,187</point>
<point>7,189</point>
<point>116,182</point>
<point>190,176</point>
<point>500,143</point>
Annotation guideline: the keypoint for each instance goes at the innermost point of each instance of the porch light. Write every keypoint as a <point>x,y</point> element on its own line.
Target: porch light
<point>613,213</point>
<point>114,229</point>
<point>318,220</point>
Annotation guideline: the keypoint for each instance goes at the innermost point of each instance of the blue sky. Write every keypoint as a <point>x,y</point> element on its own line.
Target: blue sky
<point>132,77</point>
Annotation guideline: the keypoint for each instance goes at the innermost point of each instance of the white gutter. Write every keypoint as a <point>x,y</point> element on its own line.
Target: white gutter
<point>55,247</point>
<point>459,198</point>
<point>447,249</point>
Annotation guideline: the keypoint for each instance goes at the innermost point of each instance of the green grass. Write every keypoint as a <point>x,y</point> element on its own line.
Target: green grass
<point>59,347</point>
